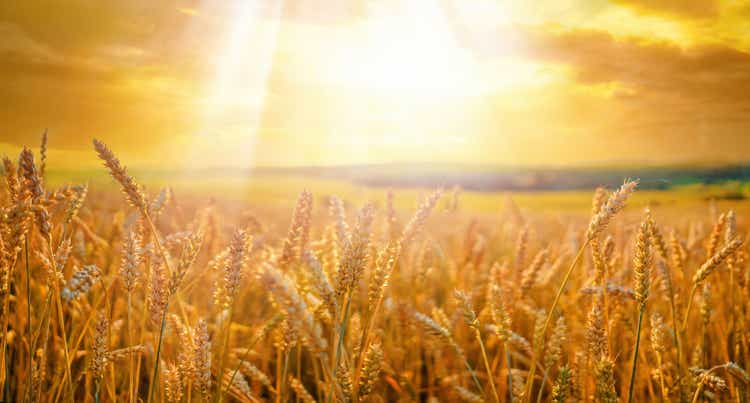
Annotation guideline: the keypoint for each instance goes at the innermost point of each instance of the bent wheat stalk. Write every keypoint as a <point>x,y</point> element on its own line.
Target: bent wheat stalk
<point>599,221</point>
<point>134,195</point>
<point>548,319</point>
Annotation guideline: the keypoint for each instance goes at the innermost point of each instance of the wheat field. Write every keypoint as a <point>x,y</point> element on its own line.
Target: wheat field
<point>144,296</point>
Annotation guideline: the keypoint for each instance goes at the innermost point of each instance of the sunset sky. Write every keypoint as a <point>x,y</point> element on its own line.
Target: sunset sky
<point>275,82</point>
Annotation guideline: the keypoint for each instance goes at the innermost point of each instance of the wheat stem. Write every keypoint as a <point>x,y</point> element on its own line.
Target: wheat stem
<point>470,369</point>
<point>676,332</point>
<point>284,371</point>
<point>6,317</point>
<point>61,319</point>
<point>662,385</point>
<point>341,334</point>
<point>635,353</point>
<point>690,304</point>
<point>155,374</point>
<point>490,377</point>
<point>131,359</point>
<point>545,374</point>
<point>242,359</point>
<point>224,347</point>
<point>510,374</point>
<point>28,311</point>
<point>278,375</point>
<point>550,312</point>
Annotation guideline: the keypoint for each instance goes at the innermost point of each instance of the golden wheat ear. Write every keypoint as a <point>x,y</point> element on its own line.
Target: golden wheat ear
<point>611,207</point>
<point>133,192</point>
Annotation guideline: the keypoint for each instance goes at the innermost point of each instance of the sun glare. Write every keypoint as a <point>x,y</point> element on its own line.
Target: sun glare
<point>231,110</point>
<point>395,79</point>
<point>410,54</point>
<point>407,80</point>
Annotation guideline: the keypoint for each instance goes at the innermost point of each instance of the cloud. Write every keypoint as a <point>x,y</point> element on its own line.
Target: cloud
<point>644,99</point>
<point>118,70</point>
<point>678,8</point>
<point>140,74</point>
<point>24,56</point>
<point>79,25</point>
<point>702,74</point>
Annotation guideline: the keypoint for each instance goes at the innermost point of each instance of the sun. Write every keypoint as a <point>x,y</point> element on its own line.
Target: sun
<point>413,54</point>
<point>406,81</point>
<point>400,83</point>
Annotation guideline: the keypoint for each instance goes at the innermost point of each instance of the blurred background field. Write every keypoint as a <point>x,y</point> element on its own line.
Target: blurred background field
<point>270,188</point>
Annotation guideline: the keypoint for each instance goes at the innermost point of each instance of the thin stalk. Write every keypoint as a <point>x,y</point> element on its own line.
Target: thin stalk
<point>155,375</point>
<point>664,392</point>
<point>550,312</point>
<point>284,375</point>
<point>510,373</point>
<point>340,341</point>
<point>365,341</point>
<point>470,369</point>
<point>490,377</point>
<point>46,322</point>
<point>159,246</point>
<point>79,340</point>
<point>676,333</point>
<point>28,311</point>
<point>299,367</point>
<point>690,304</point>
<point>732,321</point>
<point>242,359</point>
<point>364,344</point>
<point>142,331</point>
<point>45,325</point>
<point>164,256</point>
<point>6,308</point>
<point>224,348</point>
<point>61,319</point>
<point>704,345</point>
<point>329,377</point>
<point>541,388</point>
<point>278,375</point>
<point>342,330</point>
<point>635,353</point>
<point>316,375</point>
<point>131,359</point>
<point>698,391</point>
<point>605,303</point>
<point>6,383</point>
<point>596,250</point>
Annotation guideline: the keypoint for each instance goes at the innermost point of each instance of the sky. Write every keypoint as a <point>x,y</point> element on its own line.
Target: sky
<point>240,83</point>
